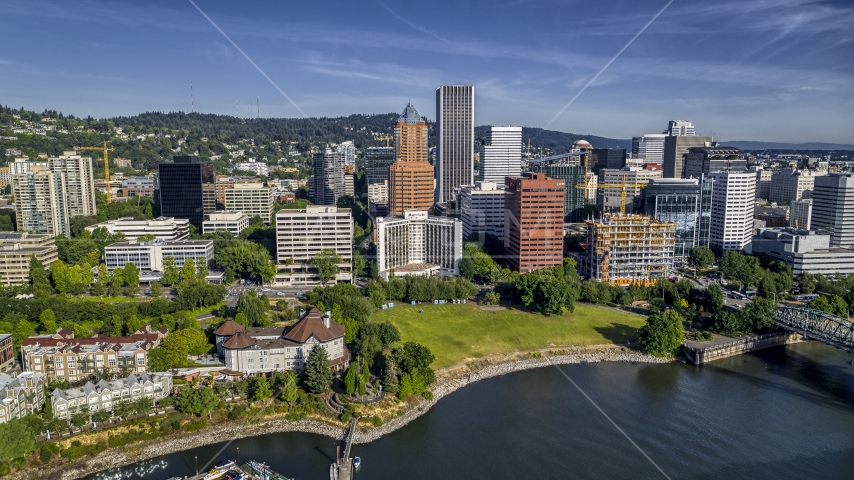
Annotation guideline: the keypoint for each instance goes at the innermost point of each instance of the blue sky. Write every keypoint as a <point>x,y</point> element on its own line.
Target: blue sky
<point>773,70</point>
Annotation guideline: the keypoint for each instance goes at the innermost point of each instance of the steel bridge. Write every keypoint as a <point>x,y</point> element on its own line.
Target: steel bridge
<point>817,325</point>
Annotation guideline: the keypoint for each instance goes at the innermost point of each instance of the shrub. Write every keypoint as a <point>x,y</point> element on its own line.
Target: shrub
<point>236,412</point>
<point>115,441</point>
<point>4,468</point>
<point>47,451</point>
<point>427,394</point>
<point>19,462</point>
<point>376,421</point>
<point>536,355</point>
<point>195,425</point>
<point>345,417</point>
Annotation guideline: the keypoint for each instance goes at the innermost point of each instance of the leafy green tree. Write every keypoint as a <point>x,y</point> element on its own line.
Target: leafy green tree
<point>260,388</point>
<point>181,343</point>
<point>103,281</point>
<point>820,303</point>
<point>390,381</point>
<point>117,282</point>
<point>24,329</point>
<point>317,375</point>
<point>81,418</point>
<point>838,306</point>
<point>157,360</point>
<point>242,319</point>
<point>663,333</point>
<point>701,257</point>
<point>188,270</point>
<point>101,416</point>
<point>405,389</point>
<point>59,275</point>
<point>199,401</point>
<point>39,277</point>
<point>156,289</point>
<point>171,273</point>
<point>808,283</point>
<point>758,314</point>
<point>326,262</point>
<point>202,270</point>
<point>290,392</point>
<point>253,308</point>
<point>130,274</point>
<point>716,297</point>
<point>16,439</point>
<point>727,322</point>
<point>412,356</point>
<point>350,378</point>
<point>47,321</point>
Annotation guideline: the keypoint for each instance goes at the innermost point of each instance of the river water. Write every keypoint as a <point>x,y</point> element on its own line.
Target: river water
<point>784,412</point>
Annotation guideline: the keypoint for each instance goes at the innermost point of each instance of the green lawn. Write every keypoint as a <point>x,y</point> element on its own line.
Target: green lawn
<point>456,333</point>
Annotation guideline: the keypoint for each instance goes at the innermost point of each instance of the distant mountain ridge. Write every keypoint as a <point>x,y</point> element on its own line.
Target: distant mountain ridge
<point>752,145</point>
<point>560,141</point>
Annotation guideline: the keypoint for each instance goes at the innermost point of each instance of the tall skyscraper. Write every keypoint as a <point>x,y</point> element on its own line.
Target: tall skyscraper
<point>348,148</point>
<point>410,185</point>
<point>377,161</point>
<point>733,202</point>
<point>675,150</point>
<point>608,158</point>
<point>649,148</point>
<point>41,201</point>
<point>572,176</point>
<point>186,188</point>
<point>502,155</point>
<point>533,237</point>
<point>680,128</point>
<point>833,209</point>
<point>685,202</point>
<point>454,140</point>
<point>328,177</point>
<point>79,184</point>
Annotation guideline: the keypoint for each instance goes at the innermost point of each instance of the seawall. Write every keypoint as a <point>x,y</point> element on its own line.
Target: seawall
<point>705,354</point>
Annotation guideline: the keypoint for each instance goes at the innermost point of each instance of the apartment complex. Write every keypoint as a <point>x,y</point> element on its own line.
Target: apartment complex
<point>163,228</point>
<point>573,175</point>
<point>410,184</point>
<point>7,350</point>
<point>610,198</point>
<point>628,249</point>
<point>272,349</point>
<point>105,395</point>
<point>687,203</point>
<point>833,208</point>
<point>41,201</point>
<point>454,140</point>
<point>16,250</point>
<point>21,395</point>
<point>149,255</point>
<point>302,234</point>
<point>419,245</point>
<point>186,188</point>
<point>733,202</point>
<point>250,165</point>
<point>328,179</point>
<point>62,356</point>
<point>253,199</point>
<point>502,155</point>
<point>533,221</point>
<point>482,209</point>
<point>79,183</point>
<point>234,222</point>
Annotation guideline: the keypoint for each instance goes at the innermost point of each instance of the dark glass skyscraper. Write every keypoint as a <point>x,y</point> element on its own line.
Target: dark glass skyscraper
<point>186,188</point>
<point>686,202</point>
<point>377,161</point>
<point>600,158</point>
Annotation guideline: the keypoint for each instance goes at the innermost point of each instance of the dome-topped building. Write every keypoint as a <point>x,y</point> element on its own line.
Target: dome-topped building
<point>581,146</point>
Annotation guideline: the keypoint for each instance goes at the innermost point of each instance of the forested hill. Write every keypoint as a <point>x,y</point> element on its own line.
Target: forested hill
<point>556,142</point>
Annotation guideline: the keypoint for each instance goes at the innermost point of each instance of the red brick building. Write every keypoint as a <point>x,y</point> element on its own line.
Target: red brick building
<point>533,221</point>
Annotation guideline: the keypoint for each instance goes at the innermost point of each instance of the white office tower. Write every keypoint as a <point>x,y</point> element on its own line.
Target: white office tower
<point>454,165</point>
<point>419,245</point>
<point>79,184</point>
<point>680,128</point>
<point>833,209</point>
<point>649,148</point>
<point>302,234</point>
<point>482,209</point>
<point>349,150</point>
<point>502,154</point>
<point>800,214</point>
<point>733,202</point>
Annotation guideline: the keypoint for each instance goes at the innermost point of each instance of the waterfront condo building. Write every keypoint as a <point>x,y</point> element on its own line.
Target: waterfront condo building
<point>259,350</point>
<point>21,395</point>
<point>41,201</point>
<point>253,199</point>
<point>411,180</point>
<point>163,228</point>
<point>302,234</point>
<point>104,395</point>
<point>833,208</point>
<point>186,188</point>
<point>454,140</point>
<point>419,245</point>
<point>502,155</point>
<point>533,221</point>
<point>16,250</point>
<point>482,209</point>
<point>733,202</point>
<point>234,222</point>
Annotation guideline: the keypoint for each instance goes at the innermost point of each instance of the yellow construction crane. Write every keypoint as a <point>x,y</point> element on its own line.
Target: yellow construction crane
<point>385,137</point>
<point>623,186</point>
<point>106,164</point>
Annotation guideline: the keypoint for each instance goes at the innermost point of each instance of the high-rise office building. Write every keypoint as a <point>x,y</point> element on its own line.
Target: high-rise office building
<point>680,128</point>
<point>79,183</point>
<point>502,155</point>
<point>610,198</point>
<point>763,181</point>
<point>833,208</point>
<point>675,149</point>
<point>302,234</point>
<point>533,221</point>
<point>41,201</point>
<point>607,158</point>
<point>704,160</point>
<point>649,148</point>
<point>800,214</point>
<point>253,199</point>
<point>572,176</point>
<point>684,202</point>
<point>348,148</point>
<point>328,178</point>
<point>454,140</point>
<point>186,188</point>
<point>733,202</point>
<point>482,209</point>
<point>377,161</point>
<point>792,184</point>
<point>410,185</point>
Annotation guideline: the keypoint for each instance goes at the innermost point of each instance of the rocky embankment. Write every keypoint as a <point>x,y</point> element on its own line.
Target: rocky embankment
<point>449,381</point>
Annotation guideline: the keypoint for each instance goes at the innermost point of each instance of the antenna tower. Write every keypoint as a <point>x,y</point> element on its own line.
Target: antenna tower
<point>192,101</point>
<point>258,104</point>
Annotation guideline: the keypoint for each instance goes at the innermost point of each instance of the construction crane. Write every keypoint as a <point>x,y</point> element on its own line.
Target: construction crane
<point>623,186</point>
<point>385,137</point>
<point>106,164</point>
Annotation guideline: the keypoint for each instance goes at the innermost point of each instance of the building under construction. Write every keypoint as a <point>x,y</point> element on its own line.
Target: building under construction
<point>628,249</point>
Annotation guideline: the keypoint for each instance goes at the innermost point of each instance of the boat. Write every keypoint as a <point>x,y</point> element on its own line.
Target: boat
<point>263,471</point>
<point>356,462</point>
<point>333,471</point>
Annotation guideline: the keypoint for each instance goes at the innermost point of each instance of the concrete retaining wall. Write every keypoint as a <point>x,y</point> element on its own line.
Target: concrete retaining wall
<point>736,347</point>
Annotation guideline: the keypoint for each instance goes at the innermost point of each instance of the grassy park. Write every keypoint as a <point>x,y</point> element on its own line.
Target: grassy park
<point>456,333</point>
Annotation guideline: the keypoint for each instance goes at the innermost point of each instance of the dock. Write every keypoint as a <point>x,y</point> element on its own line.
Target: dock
<point>342,469</point>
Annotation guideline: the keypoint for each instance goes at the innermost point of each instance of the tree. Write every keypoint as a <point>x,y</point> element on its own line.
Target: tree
<point>807,283</point>
<point>758,314</point>
<point>350,378</point>
<point>412,356</point>
<point>260,388</point>
<point>390,383</point>
<point>326,262</point>
<point>199,401</point>
<point>716,297</point>
<point>101,416</point>
<point>117,282</point>
<point>253,308</point>
<point>100,285</point>
<point>59,275</point>
<point>663,333</point>
<point>130,274</point>
<point>727,322</point>
<point>181,343</point>
<point>23,329</point>
<point>81,418</point>
<point>16,439</point>
<point>290,392</point>
<point>202,270</point>
<point>39,277</point>
<point>170,271</point>
<point>838,306</point>
<point>47,321</point>
<point>157,360</point>
<point>156,289</point>
<point>701,257</point>
<point>188,270</point>
<point>318,376</point>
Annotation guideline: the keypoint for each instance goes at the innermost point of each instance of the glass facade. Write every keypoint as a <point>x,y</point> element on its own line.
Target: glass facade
<point>686,202</point>
<point>377,161</point>
<point>573,175</point>
<point>186,189</point>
